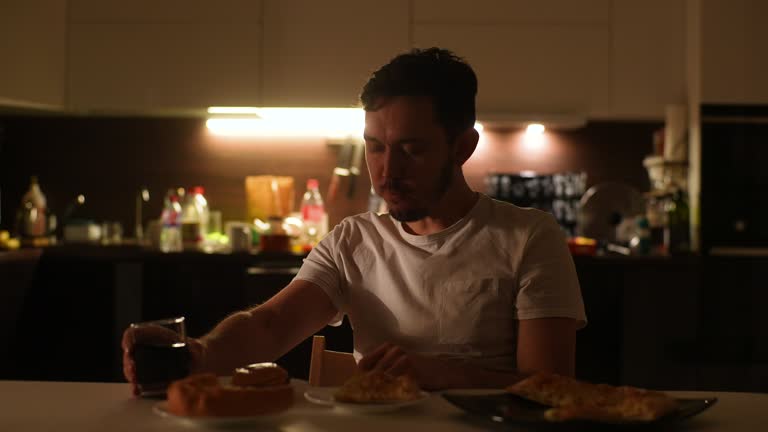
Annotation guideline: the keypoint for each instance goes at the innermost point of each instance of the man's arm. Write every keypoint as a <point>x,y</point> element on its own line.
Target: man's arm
<point>544,345</point>
<point>547,345</point>
<point>268,331</point>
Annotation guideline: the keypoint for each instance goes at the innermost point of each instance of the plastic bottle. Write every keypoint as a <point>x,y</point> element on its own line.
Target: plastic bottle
<point>194,219</point>
<point>33,212</point>
<point>170,234</point>
<point>313,214</point>
<point>201,203</point>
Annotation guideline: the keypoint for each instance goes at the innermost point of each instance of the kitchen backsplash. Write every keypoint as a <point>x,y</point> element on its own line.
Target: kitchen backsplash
<point>108,159</point>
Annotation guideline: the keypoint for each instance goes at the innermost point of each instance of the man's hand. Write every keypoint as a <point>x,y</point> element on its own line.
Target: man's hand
<point>435,373</point>
<point>131,335</point>
<point>395,361</point>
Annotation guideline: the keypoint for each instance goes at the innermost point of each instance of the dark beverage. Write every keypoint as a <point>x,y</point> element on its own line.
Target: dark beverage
<point>158,365</point>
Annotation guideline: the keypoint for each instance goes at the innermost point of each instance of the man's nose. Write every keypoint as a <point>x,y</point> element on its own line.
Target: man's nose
<point>393,165</point>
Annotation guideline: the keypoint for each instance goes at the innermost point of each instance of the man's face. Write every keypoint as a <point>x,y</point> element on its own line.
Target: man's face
<point>409,158</point>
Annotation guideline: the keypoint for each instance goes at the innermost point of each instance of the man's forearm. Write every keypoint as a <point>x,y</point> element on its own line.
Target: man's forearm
<point>243,337</point>
<point>268,331</point>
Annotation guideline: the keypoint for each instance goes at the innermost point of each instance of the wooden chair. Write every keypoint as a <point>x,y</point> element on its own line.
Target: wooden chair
<point>329,368</point>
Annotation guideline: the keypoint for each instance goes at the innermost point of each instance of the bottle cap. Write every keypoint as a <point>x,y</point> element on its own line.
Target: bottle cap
<point>312,183</point>
<point>198,190</point>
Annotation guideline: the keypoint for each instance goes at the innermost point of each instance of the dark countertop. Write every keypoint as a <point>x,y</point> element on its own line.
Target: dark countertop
<point>139,253</point>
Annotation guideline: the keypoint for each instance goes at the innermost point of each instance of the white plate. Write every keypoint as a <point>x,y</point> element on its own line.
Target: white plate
<point>161,409</point>
<point>324,396</point>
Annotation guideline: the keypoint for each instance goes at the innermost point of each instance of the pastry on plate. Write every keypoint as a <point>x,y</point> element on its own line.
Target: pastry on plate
<point>375,386</point>
<point>572,399</point>
<point>265,391</point>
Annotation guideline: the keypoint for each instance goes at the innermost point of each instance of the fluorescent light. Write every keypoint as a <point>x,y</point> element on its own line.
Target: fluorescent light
<point>233,110</point>
<point>252,121</point>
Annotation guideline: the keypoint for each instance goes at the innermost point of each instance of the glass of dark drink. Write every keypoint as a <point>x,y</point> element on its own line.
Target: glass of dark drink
<point>160,353</point>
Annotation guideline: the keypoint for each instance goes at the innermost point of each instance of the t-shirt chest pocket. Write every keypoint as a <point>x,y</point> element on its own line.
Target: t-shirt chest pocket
<point>470,311</point>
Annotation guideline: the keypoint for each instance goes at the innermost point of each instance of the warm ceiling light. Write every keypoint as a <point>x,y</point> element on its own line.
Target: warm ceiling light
<point>535,129</point>
<point>534,138</point>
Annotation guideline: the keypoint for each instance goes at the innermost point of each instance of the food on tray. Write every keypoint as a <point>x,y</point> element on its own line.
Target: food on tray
<point>572,399</point>
<point>202,395</point>
<point>377,386</point>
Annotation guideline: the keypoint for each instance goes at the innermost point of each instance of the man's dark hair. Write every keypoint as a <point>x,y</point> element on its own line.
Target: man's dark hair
<point>433,72</point>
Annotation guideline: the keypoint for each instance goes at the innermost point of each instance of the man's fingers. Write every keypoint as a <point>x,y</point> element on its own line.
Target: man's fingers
<point>393,354</point>
<point>370,361</point>
<point>128,338</point>
<point>402,366</point>
<point>129,366</point>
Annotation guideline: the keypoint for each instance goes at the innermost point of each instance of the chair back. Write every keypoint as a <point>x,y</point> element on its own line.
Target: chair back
<point>329,368</point>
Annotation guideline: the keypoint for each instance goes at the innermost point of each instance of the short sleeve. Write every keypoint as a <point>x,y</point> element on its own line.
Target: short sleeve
<point>320,267</point>
<point>548,285</point>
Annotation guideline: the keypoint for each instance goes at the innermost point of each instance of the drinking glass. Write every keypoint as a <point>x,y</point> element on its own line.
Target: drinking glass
<point>160,354</point>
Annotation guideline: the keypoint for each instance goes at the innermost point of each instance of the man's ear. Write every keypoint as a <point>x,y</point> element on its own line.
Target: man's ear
<point>466,143</point>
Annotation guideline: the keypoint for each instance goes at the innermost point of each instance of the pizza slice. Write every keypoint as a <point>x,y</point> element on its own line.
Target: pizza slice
<point>572,399</point>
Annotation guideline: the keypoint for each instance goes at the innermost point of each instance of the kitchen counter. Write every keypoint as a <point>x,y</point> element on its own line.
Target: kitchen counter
<point>128,252</point>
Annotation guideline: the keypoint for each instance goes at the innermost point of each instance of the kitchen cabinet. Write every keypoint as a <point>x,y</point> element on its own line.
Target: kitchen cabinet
<point>733,60</point>
<point>603,59</point>
<point>146,56</point>
<point>597,58</point>
<point>530,57</point>
<point>648,58</point>
<point>33,52</point>
<point>321,53</point>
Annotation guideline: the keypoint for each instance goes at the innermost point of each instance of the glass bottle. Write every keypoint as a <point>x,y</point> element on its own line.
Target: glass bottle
<point>33,212</point>
<point>677,233</point>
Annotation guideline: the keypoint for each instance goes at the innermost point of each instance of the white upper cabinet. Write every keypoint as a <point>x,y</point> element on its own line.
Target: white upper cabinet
<point>595,58</point>
<point>734,51</point>
<point>612,59</point>
<point>33,53</point>
<point>164,56</point>
<point>530,56</point>
<point>320,53</point>
<point>648,66</point>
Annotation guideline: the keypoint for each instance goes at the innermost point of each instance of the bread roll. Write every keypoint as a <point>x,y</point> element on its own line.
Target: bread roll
<point>260,374</point>
<point>202,395</point>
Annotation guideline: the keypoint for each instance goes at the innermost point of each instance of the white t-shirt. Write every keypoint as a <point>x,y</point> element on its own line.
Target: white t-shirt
<point>458,292</point>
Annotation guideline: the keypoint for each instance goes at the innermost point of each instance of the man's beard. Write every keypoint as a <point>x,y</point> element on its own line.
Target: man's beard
<point>442,186</point>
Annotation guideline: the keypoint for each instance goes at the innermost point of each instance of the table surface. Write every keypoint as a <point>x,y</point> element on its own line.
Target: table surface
<point>32,406</point>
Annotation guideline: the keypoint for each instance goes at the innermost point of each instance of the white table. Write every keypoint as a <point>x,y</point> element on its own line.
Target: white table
<point>32,406</point>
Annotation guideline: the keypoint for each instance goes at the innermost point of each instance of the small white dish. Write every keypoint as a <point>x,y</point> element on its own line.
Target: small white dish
<point>324,396</point>
<point>161,409</point>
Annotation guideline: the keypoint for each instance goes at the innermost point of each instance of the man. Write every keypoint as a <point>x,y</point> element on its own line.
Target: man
<point>452,287</point>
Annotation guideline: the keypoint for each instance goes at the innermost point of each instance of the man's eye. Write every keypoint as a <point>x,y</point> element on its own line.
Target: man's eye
<point>374,147</point>
<point>413,149</point>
